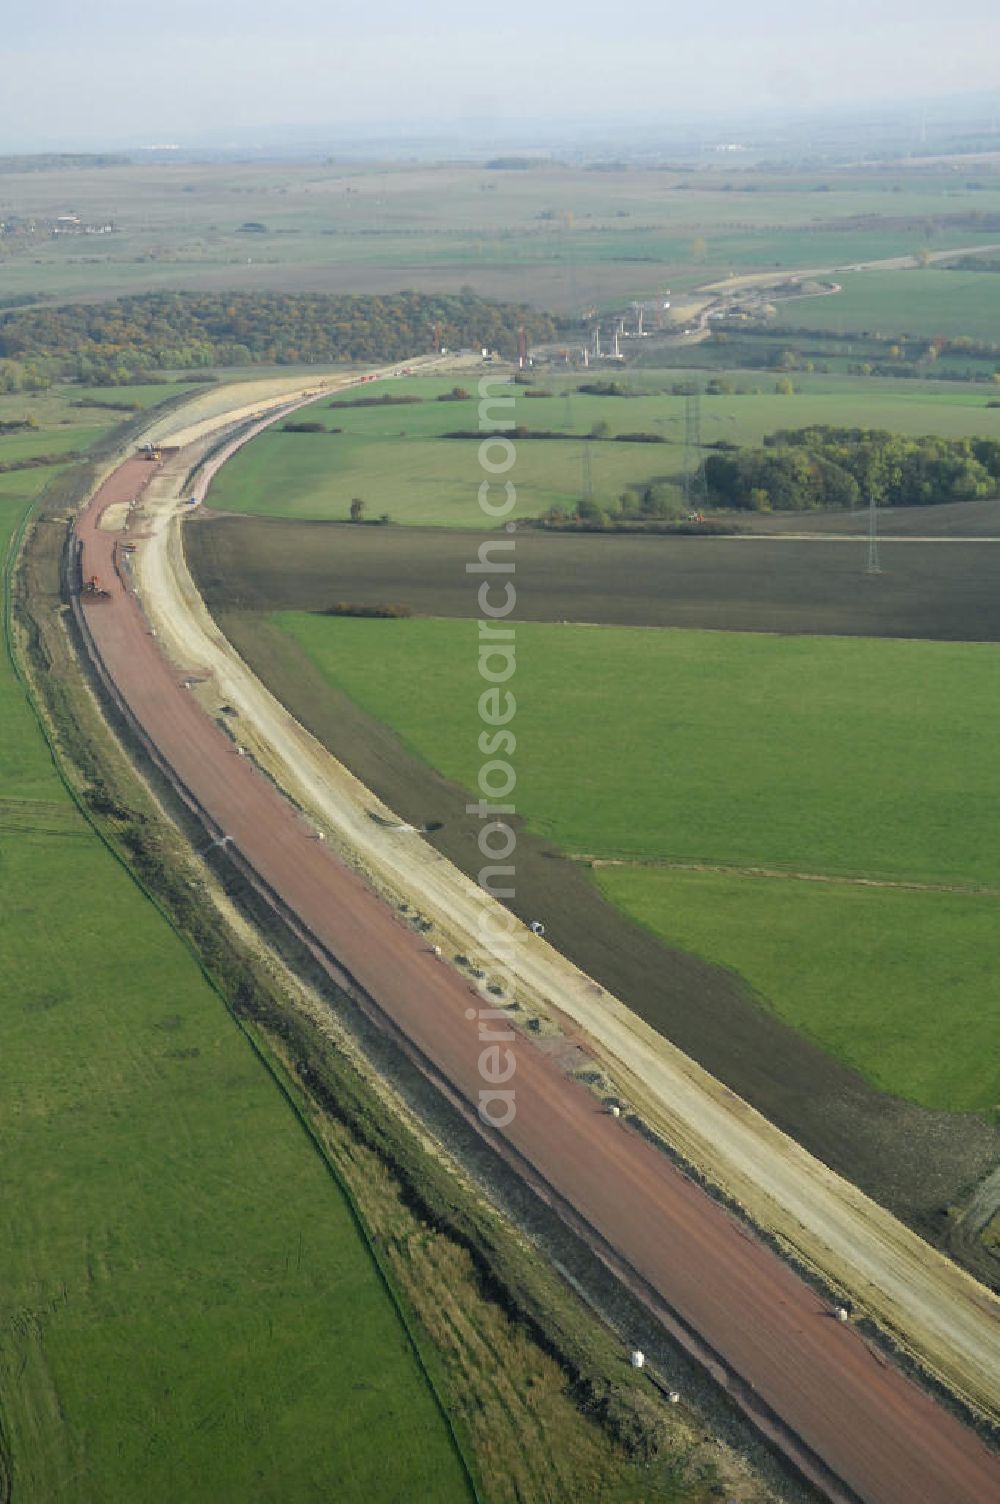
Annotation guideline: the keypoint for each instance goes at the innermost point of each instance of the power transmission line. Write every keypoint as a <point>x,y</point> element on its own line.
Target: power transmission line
<point>695,490</point>
<point>872,565</point>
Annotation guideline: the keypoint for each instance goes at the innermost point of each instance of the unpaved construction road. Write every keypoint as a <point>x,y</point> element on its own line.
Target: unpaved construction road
<point>852,1421</point>
<point>716,297</point>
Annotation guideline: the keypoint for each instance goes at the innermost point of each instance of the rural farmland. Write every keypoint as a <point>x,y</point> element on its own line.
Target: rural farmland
<point>398,459</point>
<point>499,805</point>
<point>919,301</point>
<point>426,998</point>
<point>562,234</point>
<point>133,1197</point>
<point>846,782</point>
<point>266,1239</point>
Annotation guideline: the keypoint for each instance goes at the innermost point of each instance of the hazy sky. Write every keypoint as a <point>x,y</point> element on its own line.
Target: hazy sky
<point>142,72</point>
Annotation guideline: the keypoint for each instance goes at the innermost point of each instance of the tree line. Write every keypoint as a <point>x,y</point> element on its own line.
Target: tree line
<point>808,468</point>
<point>113,343</point>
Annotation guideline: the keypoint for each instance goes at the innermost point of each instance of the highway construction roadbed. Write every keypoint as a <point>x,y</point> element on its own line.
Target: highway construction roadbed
<point>853,1421</point>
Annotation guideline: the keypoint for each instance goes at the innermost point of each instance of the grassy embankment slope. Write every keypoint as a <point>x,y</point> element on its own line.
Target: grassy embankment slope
<point>396,459</point>
<point>188,1309</point>
<point>834,758</point>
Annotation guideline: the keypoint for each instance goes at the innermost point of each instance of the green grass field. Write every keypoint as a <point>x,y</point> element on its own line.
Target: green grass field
<point>896,983</point>
<point>820,756</point>
<point>62,425</point>
<point>560,234</point>
<point>397,461</point>
<point>187,1309</point>
<point>144,394</point>
<point>68,437</point>
<point>924,302</point>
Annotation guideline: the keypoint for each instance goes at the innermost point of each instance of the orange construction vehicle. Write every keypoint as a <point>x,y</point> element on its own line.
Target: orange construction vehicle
<point>94,591</point>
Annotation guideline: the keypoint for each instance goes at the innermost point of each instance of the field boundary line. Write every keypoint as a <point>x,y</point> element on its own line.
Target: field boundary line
<point>855,538</point>
<point>667,864</point>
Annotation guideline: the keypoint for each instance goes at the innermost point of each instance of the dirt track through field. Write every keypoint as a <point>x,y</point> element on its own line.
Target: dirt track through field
<point>873,1428</point>
<point>781,875</point>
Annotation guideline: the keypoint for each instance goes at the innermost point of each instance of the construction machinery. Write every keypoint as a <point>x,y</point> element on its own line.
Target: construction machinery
<point>150,452</point>
<point>94,591</point>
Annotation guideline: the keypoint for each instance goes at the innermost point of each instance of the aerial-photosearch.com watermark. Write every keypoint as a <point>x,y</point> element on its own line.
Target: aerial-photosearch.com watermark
<point>498,929</point>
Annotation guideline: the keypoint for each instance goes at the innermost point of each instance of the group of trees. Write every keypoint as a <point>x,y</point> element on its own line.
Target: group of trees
<point>783,348</point>
<point>385,399</point>
<point>606,389</point>
<point>23,376</point>
<point>116,342</point>
<point>358,511</point>
<point>45,161</point>
<point>900,358</point>
<point>658,501</point>
<point>910,371</point>
<point>809,468</point>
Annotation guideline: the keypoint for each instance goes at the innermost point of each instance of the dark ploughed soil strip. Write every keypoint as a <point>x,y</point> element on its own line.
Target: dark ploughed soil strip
<point>912,1160</point>
<point>953,519</point>
<point>941,590</point>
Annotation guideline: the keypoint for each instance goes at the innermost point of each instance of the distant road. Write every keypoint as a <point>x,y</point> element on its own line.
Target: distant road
<point>714,297</point>
<point>887,264</point>
<point>891,538</point>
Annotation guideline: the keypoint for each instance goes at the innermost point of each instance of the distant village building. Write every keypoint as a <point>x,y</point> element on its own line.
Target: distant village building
<point>72,224</point>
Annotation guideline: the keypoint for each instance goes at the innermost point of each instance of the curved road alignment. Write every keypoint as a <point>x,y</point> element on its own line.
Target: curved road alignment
<point>947,1320</point>
<point>869,1426</point>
